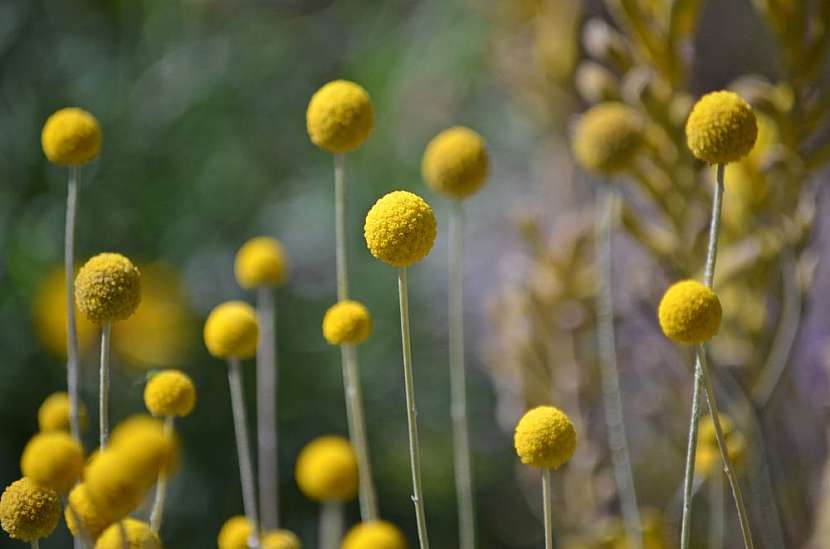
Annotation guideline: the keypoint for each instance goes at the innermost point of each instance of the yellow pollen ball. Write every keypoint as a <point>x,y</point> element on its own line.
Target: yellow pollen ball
<point>280,539</point>
<point>234,533</point>
<point>150,446</point>
<point>689,312</point>
<point>29,511</point>
<point>54,460</point>
<point>108,288</point>
<point>261,261</point>
<point>116,482</point>
<point>327,470</point>
<point>139,536</point>
<point>607,138</point>
<point>347,322</point>
<point>71,137</point>
<point>231,331</point>
<point>93,519</point>
<point>721,128</point>
<point>400,229</point>
<point>53,414</point>
<point>455,162</point>
<point>340,117</point>
<point>170,393</point>
<point>545,437</point>
<point>377,534</point>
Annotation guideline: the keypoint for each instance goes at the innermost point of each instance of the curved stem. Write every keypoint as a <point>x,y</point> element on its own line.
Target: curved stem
<point>161,486</point>
<point>266,386</point>
<point>412,413</point>
<point>72,352</point>
<point>104,386</point>
<point>458,383</point>
<point>609,371</point>
<point>331,524</point>
<point>243,449</point>
<point>547,507</point>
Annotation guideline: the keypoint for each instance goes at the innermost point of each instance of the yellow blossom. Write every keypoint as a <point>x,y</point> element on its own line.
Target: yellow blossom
<point>139,536</point>
<point>455,162</point>
<point>689,312</point>
<point>347,322</point>
<point>376,534</point>
<point>721,128</point>
<point>71,137</point>
<point>49,315</point>
<point>327,469</point>
<point>340,117</point>
<point>607,138</point>
<point>53,414</point>
<point>231,331</point>
<point>54,460</point>
<point>261,261</point>
<point>170,393</point>
<point>400,229</point>
<point>545,437</point>
<point>93,518</point>
<point>28,511</point>
<point>108,288</point>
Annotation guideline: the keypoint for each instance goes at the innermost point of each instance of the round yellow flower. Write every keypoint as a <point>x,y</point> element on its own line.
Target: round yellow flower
<point>456,162</point>
<point>545,437</point>
<point>53,414</point>
<point>139,536</point>
<point>400,229</point>
<point>707,457</point>
<point>234,533</point>
<point>340,117</point>
<point>377,534</point>
<point>150,446</point>
<point>93,519</point>
<point>347,322</point>
<point>327,469</point>
<point>170,393</point>
<point>29,511</point>
<point>721,128</point>
<point>607,138</point>
<point>49,315</point>
<point>689,312</point>
<point>108,288</point>
<point>280,539</point>
<point>261,261</point>
<point>71,137</point>
<point>54,460</point>
<point>116,482</point>
<point>231,331</point>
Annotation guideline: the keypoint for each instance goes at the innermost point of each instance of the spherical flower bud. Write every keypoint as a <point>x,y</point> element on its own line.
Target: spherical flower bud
<point>545,437</point>
<point>347,322</point>
<point>607,138</point>
<point>152,448</point>
<point>456,162</point>
<point>689,312</point>
<point>54,460</point>
<point>231,331</point>
<point>108,288</point>
<point>280,539</point>
<point>170,393</point>
<point>721,128</point>
<point>116,482</point>
<point>340,117</point>
<point>400,229</point>
<point>234,533</point>
<point>139,536</point>
<point>93,519</point>
<point>71,137</point>
<point>53,414</point>
<point>377,534</point>
<point>327,469</point>
<point>261,261</point>
<point>28,511</point>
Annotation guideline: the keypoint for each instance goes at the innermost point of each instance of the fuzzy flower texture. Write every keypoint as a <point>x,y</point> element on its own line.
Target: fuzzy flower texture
<point>340,117</point>
<point>93,518</point>
<point>170,394</point>
<point>108,288</point>
<point>28,511</point>
<point>260,262</point>
<point>607,137</point>
<point>347,322</point>
<point>400,229</point>
<point>327,469</point>
<point>377,534</point>
<point>237,529</point>
<point>721,128</point>
<point>545,437</point>
<point>71,137</point>
<point>689,312</point>
<point>231,331</point>
<point>455,162</point>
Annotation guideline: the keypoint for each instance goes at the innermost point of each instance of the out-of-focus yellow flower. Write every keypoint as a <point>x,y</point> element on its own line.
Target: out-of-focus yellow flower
<point>231,331</point>
<point>347,322</point>
<point>94,519</point>
<point>234,533</point>
<point>54,460</point>
<point>53,414</point>
<point>261,261</point>
<point>721,128</point>
<point>653,525</point>
<point>49,315</point>
<point>28,511</point>
<point>607,138</point>
<point>170,393</point>
<point>148,443</point>
<point>400,229</point>
<point>747,185</point>
<point>327,469</point>
<point>108,288</point>
<point>340,117</point>
<point>707,457</point>
<point>377,534</point>
<point>545,437</point>
<point>281,539</point>
<point>689,312</point>
<point>71,137</point>
<point>456,162</point>
<point>139,536</point>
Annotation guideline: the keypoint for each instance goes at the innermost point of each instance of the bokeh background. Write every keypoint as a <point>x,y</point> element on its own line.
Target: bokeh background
<point>202,104</point>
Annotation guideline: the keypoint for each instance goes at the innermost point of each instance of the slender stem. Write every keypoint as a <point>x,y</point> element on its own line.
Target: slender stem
<point>331,524</point>
<point>728,468</point>
<point>243,449</point>
<point>458,383</point>
<point>714,230</point>
<point>161,486</point>
<point>412,413</point>
<point>691,448</point>
<point>35,544</point>
<point>547,507</point>
<point>72,353</point>
<point>716,512</point>
<point>104,385</point>
<point>82,539</point>
<point>613,407</point>
<point>267,379</point>
<point>340,227</point>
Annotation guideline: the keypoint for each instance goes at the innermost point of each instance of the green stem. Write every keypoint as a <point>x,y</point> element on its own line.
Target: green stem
<point>331,524</point>
<point>547,507</point>
<point>412,413</point>
<point>161,486</point>
<point>243,449</point>
<point>267,383</point>
<point>72,352</point>
<point>340,227</point>
<point>104,386</point>
<point>716,511</point>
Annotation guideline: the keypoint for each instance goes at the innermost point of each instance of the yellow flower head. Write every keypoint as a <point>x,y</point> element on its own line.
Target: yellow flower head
<point>327,469</point>
<point>53,414</point>
<point>607,138</point>
<point>231,331</point>
<point>261,261</point>
<point>54,460</point>
<point>116,482</point>
<point>707,457</point>
<point>29,511</point>
<point>545,437</point>
<point>280,539</point>
<point>49,315</point>
<point>456,162</point>
<point>377,534</point>
<point>170,393</point>
<point>234,533</point>
<point>108,288</point>
<point>93,519</point>
<point>139,536</point>
<point>721,128</point>
<point>340,117</point>
<point>347,322</point>
<point>689,312</point>
<point>151,447</point>
<point>71,137</point>
<point>400,229</point>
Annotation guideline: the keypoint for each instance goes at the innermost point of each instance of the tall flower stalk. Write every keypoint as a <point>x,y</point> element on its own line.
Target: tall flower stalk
<point>72,350</point>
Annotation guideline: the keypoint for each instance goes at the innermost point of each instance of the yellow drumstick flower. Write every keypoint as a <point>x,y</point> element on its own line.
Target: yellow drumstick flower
<point>340,117</point>
<point>71,137</point>
<point>28,511</point>
<point>347,322</point>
